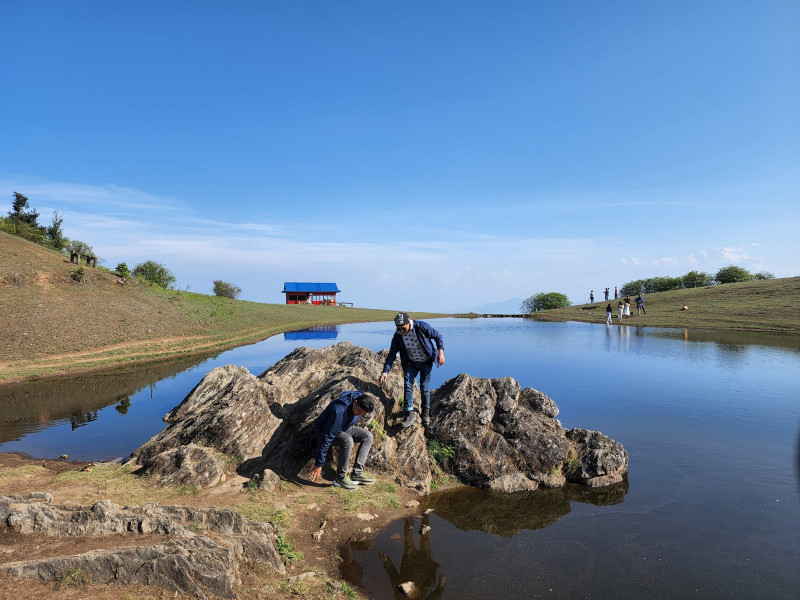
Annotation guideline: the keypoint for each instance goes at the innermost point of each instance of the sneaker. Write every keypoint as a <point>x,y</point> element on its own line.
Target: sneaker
<point>426,420</point>
<point>344,482</point>
<point>410,419</point>
<point>362,478</point>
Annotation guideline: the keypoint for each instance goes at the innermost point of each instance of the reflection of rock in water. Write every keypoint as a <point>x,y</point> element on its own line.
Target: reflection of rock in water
<point>508,514</point>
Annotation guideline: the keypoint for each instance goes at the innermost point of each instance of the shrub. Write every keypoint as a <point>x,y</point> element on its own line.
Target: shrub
<point>542,301</point>
<point>761,275</point>
<point>226,290</point>
<point>733,274</point>
<point>80,247</point>
<point>123,270</point>
<point>693,279</point>
<point>154,273</point>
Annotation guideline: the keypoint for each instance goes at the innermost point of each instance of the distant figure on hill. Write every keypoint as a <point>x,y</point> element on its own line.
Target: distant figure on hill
<point>606,293</point>
<point>620,308</point>
<point>616,293</point>
<point>640,304</point>
<point>608,312</point>
<point>591,296</point>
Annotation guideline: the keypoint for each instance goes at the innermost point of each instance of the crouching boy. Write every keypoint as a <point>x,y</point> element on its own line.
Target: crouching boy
<point>337,426</point>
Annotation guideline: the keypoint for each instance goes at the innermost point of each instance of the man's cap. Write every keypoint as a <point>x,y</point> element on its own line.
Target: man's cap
<point>402,319</point>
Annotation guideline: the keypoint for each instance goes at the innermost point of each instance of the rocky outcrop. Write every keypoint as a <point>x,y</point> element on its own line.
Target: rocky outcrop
<point>201,552</point>
<point>497,435</point>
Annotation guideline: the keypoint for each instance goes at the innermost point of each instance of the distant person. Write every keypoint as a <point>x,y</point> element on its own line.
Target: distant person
<point>627,306</point>
<point>608,313</point>
<point>591,296</point>
<point>337,426</point>
<point>419,345</point>
<point>606,294</point>
<point>620,308</point>
<point>640,304</point>
<point>616,293</point>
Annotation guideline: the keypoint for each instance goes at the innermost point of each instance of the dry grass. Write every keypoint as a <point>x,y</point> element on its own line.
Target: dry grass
<point>53,324</point>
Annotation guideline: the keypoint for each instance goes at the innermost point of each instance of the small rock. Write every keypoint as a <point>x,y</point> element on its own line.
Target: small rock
<point>409,588</point>
<point>64,456</point>
<point>412,504</point>
<point>425,529</point>
<point>302,576</point>
<point>429,511</point>
<point>317,535</point>
<point>365,516</point>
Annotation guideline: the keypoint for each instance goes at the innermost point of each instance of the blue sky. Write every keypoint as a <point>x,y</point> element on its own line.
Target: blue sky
<point>422,155</point>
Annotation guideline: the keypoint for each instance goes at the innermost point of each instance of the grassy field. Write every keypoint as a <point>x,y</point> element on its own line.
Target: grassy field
<point>768,305</point>
<point>52,324</point>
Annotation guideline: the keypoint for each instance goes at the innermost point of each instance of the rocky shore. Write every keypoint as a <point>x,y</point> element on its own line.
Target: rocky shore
<point>235,426</point>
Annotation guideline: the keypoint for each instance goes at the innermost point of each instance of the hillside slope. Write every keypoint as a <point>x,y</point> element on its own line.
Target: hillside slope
<point>767,305</point>
<point>50,323</point>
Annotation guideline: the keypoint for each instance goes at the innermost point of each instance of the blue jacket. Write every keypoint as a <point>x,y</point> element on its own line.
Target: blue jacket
<point>337,417</point>
<point>425,334</point>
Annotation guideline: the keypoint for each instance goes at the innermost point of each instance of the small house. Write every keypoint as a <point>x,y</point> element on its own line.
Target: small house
<point>298,292</point>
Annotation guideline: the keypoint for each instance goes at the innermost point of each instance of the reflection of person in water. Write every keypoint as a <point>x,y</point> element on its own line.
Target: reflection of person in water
<point>417,565</point>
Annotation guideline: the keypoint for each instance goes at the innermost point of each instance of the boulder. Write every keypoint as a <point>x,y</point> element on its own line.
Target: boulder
<point>498,436</point>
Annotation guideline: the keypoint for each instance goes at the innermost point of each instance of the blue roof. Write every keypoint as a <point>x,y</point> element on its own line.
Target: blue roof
<point>303,286</point>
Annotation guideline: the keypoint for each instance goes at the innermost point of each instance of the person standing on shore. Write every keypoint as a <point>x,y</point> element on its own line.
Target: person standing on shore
<point>627,306</point>
<point>419,346</point>
<point>619,309</point>
<point>640,304</point>
<point>608,315</point>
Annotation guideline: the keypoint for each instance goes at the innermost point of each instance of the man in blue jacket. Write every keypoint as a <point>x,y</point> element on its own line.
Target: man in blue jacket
<point>337,426</point>
<point>419,345</point>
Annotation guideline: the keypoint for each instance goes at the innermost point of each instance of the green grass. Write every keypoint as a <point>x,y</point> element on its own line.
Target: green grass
<point>382,494</point>
<point>769,305</point>
<point>286,549</point>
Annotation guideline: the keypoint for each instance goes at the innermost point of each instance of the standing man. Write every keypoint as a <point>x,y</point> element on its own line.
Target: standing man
<point>419,345</point>
<point>591,296</point>
<point>640,304</point>
<point>337,426</point>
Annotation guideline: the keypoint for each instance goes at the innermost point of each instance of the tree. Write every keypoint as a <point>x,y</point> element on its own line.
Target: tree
<point>20,214</point>
<point>123,270</point>
<point>80,247</point>
<point>155,273</point>
<point>761,275</point>
<point>733,274</point>
<point>55,236</point>
<point>226,290</point>
<point>693,279</point>
<point>542,301</point>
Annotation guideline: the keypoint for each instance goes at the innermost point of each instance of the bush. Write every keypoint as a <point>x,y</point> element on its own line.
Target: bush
<point>123,270</point>
<point>542,301</point>
<point>733,274</point>
<point>226,290</point>
<point>693,279</point>
<point>761,275</point>
<point>154,273</point>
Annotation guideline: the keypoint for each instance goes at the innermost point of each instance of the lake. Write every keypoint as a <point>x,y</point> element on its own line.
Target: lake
<point>710,509</point>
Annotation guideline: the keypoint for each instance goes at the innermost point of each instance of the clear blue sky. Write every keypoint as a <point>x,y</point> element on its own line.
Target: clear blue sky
<point>422,155</point>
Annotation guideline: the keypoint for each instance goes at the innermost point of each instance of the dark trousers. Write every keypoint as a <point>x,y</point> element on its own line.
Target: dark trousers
<point>409,375</point>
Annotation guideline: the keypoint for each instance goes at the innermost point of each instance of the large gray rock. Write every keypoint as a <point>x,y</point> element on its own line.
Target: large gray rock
<point>504,438</point>
<point>202,550</point>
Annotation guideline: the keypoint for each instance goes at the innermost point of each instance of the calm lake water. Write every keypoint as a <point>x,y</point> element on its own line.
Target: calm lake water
<point>711,507</point>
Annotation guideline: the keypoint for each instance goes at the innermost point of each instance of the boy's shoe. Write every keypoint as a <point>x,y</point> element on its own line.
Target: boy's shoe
<point>344,482</point>
<point>410,419</point>
<point>426,420</point>
<point>362,478</point>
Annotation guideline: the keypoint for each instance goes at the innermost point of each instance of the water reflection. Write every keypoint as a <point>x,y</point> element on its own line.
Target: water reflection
<point>30,407</point>
<point>416,565</point>
<point>321,332</point>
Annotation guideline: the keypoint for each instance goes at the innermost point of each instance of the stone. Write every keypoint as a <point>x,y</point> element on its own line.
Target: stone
<point>184,562</point>
<point>409,589</point>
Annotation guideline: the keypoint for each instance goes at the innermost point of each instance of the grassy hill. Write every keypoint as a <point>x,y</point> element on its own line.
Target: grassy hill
<point>768,305</point>
<point>52,324</point>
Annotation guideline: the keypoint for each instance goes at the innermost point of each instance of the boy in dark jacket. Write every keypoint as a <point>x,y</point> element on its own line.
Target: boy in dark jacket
<point>337,426</point>
<point>419,345</point>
